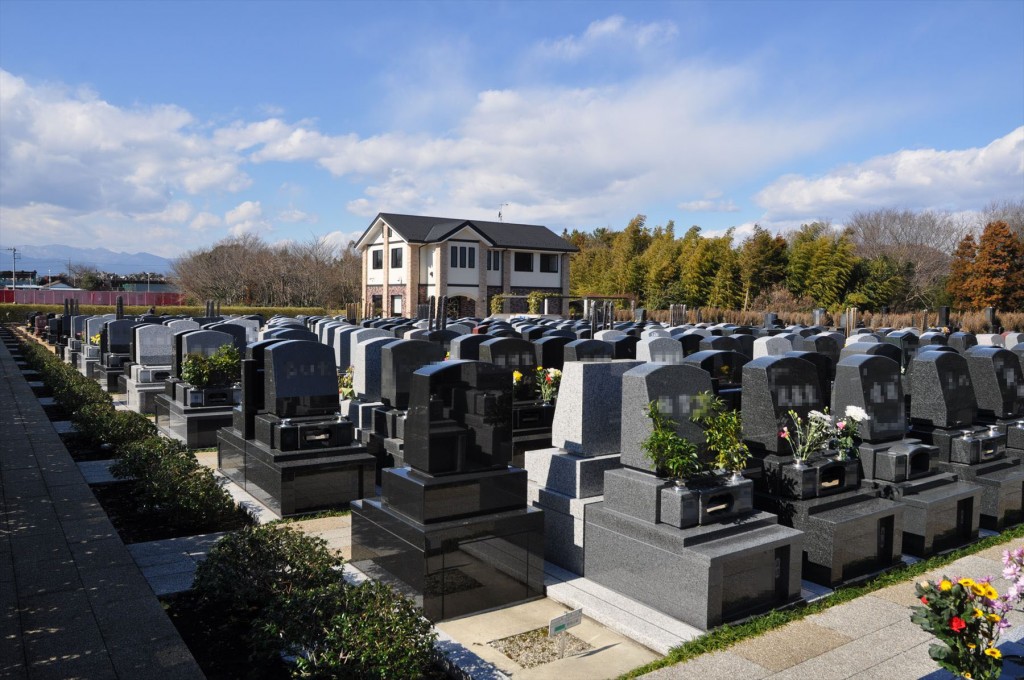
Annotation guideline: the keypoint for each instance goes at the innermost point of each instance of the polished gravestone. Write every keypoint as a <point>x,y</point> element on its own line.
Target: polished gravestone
<point>999,390</point>
<point>699,551</point>
<point>152,349</point>
<point>302,456</point>
<point>398,361</point>
<point>940,511</point>
<point>192,414</point>
<point>586,440</point>
<point>942,413</point>
<point>849,531</point>
<point>531,415</point>
<point>115,350</point>
<point>452,529</point>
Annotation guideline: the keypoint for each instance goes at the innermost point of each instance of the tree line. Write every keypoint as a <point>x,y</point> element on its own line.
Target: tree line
<point>245,270</point>
<point>896,259</point>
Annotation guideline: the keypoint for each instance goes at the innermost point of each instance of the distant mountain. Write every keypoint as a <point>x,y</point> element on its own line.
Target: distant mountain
<point>54,259</point>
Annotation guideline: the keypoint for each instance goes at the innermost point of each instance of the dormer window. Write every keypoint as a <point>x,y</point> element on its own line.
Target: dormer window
<point>463,257</point>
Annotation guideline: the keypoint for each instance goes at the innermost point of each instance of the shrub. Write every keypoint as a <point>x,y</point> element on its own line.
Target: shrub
<point>219,369</point>
<point>671,454</point>
<point>365,631</point>
<point>285,592</point>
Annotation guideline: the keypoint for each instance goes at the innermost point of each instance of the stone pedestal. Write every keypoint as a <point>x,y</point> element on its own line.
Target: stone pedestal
<point>705,575</point>
<point>940,512</point>
<point>107,377</point>
<point>531,428</point>
<point>982,459</point>
<point>195,426</point>
<point>455,567</point>
<point>563,485</point>
<point>849,532</point>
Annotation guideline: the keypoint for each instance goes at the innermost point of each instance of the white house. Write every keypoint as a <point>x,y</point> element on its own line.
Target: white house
<point>408,258</point>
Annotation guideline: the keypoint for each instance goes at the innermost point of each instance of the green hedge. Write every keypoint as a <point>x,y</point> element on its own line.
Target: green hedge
<point>283,592</point>
<point>170,479</point>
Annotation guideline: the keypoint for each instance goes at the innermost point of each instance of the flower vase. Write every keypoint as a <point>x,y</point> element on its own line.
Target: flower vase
<point>799,463</point>
<point>736,478</point>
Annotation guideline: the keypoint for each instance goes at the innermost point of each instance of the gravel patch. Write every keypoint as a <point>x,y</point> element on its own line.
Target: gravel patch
<point>534,647</point>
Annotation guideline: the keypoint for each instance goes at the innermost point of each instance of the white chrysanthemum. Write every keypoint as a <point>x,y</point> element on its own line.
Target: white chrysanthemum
<point>856,413</point>
<point>818,415</point>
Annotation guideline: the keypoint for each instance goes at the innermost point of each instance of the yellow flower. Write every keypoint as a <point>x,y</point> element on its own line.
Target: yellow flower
<point>966,582</point>
<point>978,589</point>
<point>990,592</point>
<point>994,618</point>
<point>516,376</point>
<point>978,613</point>
<point>945,584</point>
<point>971,646</point>
<point>967,675</point>
<point>994,653</point>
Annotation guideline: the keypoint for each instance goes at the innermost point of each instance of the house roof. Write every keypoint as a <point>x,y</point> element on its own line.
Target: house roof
<point>425,229</point>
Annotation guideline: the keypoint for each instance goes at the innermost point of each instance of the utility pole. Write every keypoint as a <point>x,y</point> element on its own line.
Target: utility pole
<point>14,268</point>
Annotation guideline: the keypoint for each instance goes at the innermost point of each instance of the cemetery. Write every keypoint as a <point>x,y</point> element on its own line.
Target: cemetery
<point>709,472</point>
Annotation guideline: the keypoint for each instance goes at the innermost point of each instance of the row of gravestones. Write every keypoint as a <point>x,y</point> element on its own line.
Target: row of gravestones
<point>633,493</point>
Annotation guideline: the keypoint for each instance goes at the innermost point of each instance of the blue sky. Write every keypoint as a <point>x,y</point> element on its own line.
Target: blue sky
<point>167,126</point>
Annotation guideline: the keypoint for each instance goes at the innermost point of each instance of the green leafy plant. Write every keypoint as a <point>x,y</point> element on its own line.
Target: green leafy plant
<point>965,615</point>
<point>220,369</point>
<point>723,429</point>
<point>346,384</point>
<point>671,455</point>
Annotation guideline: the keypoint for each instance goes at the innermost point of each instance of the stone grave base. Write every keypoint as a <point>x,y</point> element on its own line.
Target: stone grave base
<point>704,575</point>
<point>939,512</point>
<point>1002,484</point>
<point>122,383</point>
<point>142,396</point>
<point>310,480</point>
<point>452,568</point>
<point>196,426</point>
<point>107,377</point>
<point>231,454</point>
<point>846,536</point>
<point>563,485</point>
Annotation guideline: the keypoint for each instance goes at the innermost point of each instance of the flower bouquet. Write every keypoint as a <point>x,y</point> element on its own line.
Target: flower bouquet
<point>808,436</point>
<point>846,431</point>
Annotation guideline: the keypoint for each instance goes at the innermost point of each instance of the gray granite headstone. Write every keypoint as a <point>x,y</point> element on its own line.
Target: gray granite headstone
<point>366,362</point>
<point>364,334</point>
<point>154,345</point>
<point>990,340</point>
<point>467,346</point>
<point>662,349</point>
<point>677,389</point>
<point>774,345</point>
<point>589,407</point>
<point>943,391</point>
<point>872,382</point>
<point>961,342</point>
<point>342,344</point>
<point>998,383</point>
<point>179,325</point>
<point>772,386</point>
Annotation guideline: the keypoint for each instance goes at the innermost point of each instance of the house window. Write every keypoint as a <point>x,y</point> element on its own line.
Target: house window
<point>549,263</point>
<point>377,257</point>
<point>396,305</point>
<point>463,257</point>
<point>396,258</point>
<point>493,260</point>
<point>524,262</point>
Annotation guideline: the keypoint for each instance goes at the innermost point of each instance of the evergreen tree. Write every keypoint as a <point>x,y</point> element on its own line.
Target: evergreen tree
<point>725,291</point>
<point>762,263</point>
<point>997,276</point>
<point>803,246</point>
<point>959,284</point>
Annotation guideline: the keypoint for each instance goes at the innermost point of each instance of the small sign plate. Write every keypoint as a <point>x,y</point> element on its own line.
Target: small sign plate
<point>560,624</point>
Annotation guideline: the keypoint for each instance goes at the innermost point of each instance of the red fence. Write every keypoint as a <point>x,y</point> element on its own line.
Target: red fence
<point>35,296</point>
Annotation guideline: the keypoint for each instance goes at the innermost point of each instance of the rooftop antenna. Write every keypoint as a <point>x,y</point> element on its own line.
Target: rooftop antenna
<point>500,207</point>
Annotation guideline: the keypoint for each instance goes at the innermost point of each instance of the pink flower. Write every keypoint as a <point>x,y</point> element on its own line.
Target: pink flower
<point>785,433</point>
<point>841,426</point>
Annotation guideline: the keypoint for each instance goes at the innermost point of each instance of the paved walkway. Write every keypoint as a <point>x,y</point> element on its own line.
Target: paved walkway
<point>73,603</point>
<point>867,638</point>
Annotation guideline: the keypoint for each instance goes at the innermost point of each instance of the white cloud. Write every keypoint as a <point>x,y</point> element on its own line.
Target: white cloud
<point>204,221</point>
<point>710,203</point>
<point>293,215</point>
<point>246,218</point>
<point>917,179</point>
<point>613,31</point>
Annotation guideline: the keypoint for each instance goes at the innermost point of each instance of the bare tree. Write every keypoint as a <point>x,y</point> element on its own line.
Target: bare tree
<point>1011,212</point>
<point>925,240</point>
